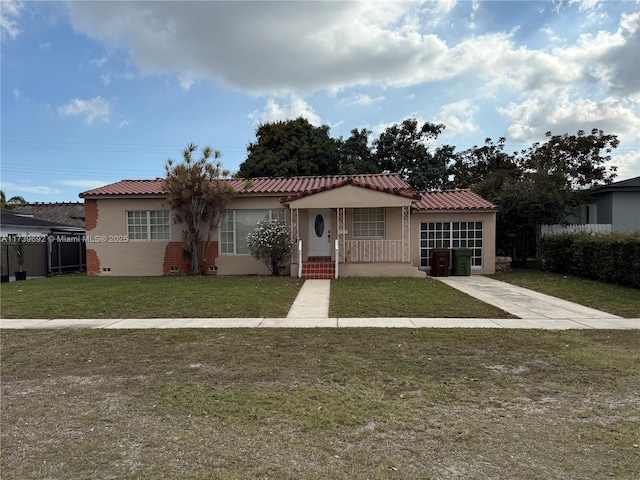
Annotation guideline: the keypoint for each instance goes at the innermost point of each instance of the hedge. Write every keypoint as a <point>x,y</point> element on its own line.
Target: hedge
<point>611,258</point>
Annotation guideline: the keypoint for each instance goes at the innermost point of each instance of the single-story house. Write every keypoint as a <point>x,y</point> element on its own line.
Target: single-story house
<point>365,225</point>
<point>616,204</point>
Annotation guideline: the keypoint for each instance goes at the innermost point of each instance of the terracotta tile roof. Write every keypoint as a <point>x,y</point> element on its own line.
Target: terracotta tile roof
<point>402,189</point>
<point>452,200</point>
<point>127,188</point>
<point>297,187</point>
<point>262,185</point>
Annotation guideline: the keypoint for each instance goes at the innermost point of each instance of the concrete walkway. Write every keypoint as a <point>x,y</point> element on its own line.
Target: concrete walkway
<point>311,309</point>
<point>521,302</point>
<point>312,300</point>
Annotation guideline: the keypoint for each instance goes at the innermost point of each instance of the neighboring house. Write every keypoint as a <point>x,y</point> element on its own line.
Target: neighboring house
<point>382,227</point>
<point>14,222</point>
<point>65,213</point>
<point>617,204</point>
<point>50,247</point>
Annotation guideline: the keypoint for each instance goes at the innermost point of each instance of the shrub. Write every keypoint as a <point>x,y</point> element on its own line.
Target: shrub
<point>611,258</point>
<point>271,244</point>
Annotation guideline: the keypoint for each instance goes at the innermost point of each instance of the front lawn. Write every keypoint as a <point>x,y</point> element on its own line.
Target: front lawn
<point>320,404</point>
<point>405,297</point>
<point>616,299</point>
<point>81,296</point>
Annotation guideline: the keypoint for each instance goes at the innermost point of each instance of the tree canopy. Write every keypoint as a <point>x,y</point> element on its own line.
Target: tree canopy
<point>13,202</point>
<point>404,149</point>
<point>198,197</point>
<point>295,147</point>
<point>290,148</point>
<point>544,184</point>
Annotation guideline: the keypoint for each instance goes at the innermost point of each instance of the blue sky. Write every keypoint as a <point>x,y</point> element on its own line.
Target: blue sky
<point>96,92</point>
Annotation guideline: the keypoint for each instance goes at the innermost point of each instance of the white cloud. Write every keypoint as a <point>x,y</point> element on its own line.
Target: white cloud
<point>98,62</point>
<point>458,117</point>
<point>16,93</point>
<point>26,188</point>
<point>362,100</point>
<point>44,47</point>
<point>105,79</point>
<point>585,5</point>
<point>289,109</point>
<point>90,109</point>
<point>124,123</point>
<point>628,164</point>
<point>532,118</point>
<point>88,184</point>
<point>9,15</point>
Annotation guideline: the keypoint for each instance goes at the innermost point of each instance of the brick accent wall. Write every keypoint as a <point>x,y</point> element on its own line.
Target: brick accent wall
<point>93,262</point>
<point>90,214</point>
<point>175,264</point>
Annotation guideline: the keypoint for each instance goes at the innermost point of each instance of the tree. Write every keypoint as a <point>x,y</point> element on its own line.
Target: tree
<point>290,148</point>
<point>354,154</point>
<point>198,197</point>
<point>271,244</point>
<point>13,202</point>
<point>404,149</point>
<point>544,184</point>
<point>578,157</point>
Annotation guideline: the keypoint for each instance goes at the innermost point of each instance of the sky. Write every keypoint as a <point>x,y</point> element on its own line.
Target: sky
<point>96,92</point>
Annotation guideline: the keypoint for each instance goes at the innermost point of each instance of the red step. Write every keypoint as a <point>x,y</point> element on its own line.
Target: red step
<point>318,270</point>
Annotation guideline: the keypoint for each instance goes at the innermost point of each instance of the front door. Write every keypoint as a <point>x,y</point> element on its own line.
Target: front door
<point>319,233</point>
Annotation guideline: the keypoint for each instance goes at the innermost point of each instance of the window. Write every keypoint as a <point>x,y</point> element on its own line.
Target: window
<point>235,225</point>
<point>451,235</point>
<point>368,222</point>
<point>149,225</point>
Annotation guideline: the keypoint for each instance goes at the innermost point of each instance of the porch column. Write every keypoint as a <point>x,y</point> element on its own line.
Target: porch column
<point>406,234</point>
<point>295,234</point>
<point>342,236</point>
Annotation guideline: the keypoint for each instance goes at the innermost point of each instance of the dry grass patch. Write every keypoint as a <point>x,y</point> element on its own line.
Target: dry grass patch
<point>334,404</point>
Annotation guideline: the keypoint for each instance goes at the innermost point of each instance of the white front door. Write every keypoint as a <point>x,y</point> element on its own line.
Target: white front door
<point>319,237</point>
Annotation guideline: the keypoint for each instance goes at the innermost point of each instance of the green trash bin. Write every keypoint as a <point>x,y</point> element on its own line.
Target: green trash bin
<point>462,261</point>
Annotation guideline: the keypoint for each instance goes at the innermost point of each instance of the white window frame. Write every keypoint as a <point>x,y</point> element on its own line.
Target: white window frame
<point>223,245</point>
<point>465,234</point>
<point>371,225</point>
<point>148,226</point>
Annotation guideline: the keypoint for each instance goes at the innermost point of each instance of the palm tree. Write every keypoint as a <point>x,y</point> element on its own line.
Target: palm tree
<point>13,202</point>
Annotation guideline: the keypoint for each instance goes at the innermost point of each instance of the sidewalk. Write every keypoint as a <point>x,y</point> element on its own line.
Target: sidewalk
<point>308,322</point>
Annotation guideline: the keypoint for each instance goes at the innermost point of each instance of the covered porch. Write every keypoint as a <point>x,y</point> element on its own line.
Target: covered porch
<point>351,231</point>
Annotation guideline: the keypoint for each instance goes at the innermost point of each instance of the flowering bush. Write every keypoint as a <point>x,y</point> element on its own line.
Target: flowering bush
<point>271,244</point>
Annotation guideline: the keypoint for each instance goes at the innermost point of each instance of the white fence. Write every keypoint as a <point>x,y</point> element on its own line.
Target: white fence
<point>592,228</point>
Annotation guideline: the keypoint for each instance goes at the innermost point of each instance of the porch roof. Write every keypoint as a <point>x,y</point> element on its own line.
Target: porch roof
<point>388,184</point>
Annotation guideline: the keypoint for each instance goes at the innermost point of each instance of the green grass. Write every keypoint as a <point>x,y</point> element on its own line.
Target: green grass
<point>616,299</point>
<point>405,297</point>
<point>319,404</point>
<point>79,296</point>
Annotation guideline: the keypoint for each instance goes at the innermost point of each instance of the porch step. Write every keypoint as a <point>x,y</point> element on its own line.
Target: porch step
<point>318,270</point>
